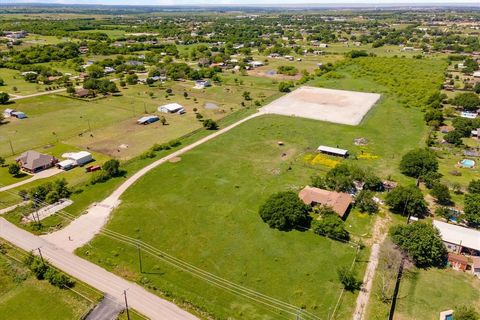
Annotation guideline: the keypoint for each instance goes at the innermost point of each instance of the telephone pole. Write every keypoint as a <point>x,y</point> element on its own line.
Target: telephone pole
<point>140,258</point>
<point>41,257</point>
<point>11,147</point>
<point>126,303</point>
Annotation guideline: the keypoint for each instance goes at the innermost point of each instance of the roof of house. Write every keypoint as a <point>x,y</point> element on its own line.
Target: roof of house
<point>32,160</point>
<point>455,257</point>
<point>465,237</point>
<point>342,152</point>
<point>82,92</point>
<point>172,107</point>
<point>339,201</point>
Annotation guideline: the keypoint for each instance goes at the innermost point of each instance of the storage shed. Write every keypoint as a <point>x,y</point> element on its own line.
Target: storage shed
<point>172,108</point>
<point>333,151</point>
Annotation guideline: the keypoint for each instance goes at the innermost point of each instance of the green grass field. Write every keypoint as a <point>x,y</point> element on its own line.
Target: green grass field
<point>22,296</point>
<point>203,209</point>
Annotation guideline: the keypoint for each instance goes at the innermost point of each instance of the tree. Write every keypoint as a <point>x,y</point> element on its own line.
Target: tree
<point>330,225</point>
<point>2,82</point>
<point>131,79</point>
<point>422,243</point>
<point>467,100</point>
<point>4,97</point>
<point>95,71</point>
<point>112,167</point>
<point>365,203</point>
<point>473,186</point>
<point>441,193</point>
<point>185,94</point>
<point>466,313</point>
<point>454,137</point>
<point>285,211</point>
<point>209,124</point>
<point>348,279</point>
<point>472,209</point>
<point>418,162</point>
<point>407,201</point>
<point>2,161</point>
<point>14,169</point>
<point>70,90</point>
<point>163,120</point>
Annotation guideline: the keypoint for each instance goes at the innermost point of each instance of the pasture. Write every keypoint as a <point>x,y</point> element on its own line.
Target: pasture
<point>211,196</point>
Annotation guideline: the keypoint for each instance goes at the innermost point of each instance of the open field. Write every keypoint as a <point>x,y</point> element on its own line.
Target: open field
<point>219,224</point>
<point>105,124</point>
<point>13,79</point>
<point>22,296</point>
<point>425,293</point>
<point>337,106</point>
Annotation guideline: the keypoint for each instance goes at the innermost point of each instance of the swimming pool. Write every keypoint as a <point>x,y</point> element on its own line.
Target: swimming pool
<point>467,163</point>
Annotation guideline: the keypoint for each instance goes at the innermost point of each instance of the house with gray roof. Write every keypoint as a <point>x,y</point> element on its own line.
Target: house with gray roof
<point>33,161</point>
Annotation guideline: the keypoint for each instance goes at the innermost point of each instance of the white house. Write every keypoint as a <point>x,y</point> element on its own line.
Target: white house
<point>476,74</point>
<point>172,108</point>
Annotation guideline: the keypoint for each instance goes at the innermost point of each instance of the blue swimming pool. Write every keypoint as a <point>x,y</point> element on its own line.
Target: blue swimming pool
<point>449,317</point>
<point>467,163</point>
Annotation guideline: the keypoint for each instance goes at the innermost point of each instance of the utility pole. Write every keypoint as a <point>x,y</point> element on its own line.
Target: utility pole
<point>89,127</point>
<point>139,258</point>
<point>126,303</point>
<point>11,147</point>
<point>41,257</point>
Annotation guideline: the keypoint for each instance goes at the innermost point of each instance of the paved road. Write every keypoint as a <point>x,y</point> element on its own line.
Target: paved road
<point>139,299</point>
<point>41,175</point>
<point>84,228</point>
<point>37,94</point>
<point>107,309</point>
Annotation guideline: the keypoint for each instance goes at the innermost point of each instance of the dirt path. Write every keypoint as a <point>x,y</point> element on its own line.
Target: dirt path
<point>379,234</point>
<point>16,97</point>
<point>139,298</point>
<point>84,228</point>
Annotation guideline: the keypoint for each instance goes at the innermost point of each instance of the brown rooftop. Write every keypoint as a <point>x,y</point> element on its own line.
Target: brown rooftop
<point>338,201</point>
<point>458,258</point>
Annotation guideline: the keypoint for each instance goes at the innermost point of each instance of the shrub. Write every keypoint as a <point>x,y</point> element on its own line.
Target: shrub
<point>209,124</point>
<point>348,279</point>
<point>407,201</point>
<point>331,226</point>
<point>14,169</point>
<point>418,162</point>
<point>365,203</point>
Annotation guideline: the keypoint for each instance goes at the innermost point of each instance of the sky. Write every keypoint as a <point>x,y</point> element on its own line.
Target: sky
<point>240,2</point>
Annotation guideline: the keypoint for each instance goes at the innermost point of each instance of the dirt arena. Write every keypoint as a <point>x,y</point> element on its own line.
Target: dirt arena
<point>338,106</point>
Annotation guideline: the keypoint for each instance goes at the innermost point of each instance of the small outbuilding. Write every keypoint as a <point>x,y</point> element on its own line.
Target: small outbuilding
<point>7,113</point>
<point>19,115</point>
<point>202,84</point>
<point>333,151</point>
<point>33,161</point>
<point>172,108</point>
<point>78,158</point>
<point>66,164</point>
<point>147,120</point>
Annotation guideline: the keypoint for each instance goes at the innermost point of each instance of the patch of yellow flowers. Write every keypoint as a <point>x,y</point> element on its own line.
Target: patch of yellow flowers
<point>320,159</point>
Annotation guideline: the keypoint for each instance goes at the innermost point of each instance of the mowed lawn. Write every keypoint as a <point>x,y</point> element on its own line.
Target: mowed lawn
<point>425,293</point>
<point>204,210</point>
<point>30,298</point>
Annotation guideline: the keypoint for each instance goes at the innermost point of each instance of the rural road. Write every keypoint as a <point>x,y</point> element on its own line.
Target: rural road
<point>41,175</point>
<point>84,228</point>
<point>16,97</point>
<point>139,298</point>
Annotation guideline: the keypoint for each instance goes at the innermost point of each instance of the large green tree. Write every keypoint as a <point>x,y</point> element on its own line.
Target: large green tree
<point>285,211</point>
<point>472,209</point>
<point>418,162</point>
<point>407,201</point>
<point>467,100</point>
<point>422,242</point>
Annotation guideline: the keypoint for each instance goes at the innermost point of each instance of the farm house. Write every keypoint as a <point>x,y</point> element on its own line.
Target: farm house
<point>340,202</point>
<point>33,161</point>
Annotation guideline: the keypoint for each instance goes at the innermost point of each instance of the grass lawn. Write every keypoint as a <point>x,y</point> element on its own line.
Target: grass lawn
<point>203,209</point>
<point>449,289</point>
<point>22,296</point>
<point>13,79</point>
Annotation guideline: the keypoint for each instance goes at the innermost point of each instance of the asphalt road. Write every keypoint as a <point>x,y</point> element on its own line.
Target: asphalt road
<point>139,299</point>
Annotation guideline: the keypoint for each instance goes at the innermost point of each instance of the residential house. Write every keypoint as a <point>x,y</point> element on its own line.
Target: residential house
<point>33,161</point>
<point>340,202</point>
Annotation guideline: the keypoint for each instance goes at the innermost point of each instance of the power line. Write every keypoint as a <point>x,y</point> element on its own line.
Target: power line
<point>212,279</point>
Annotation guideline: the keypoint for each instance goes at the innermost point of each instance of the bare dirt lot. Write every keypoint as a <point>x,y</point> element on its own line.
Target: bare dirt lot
<point>338,106</point>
